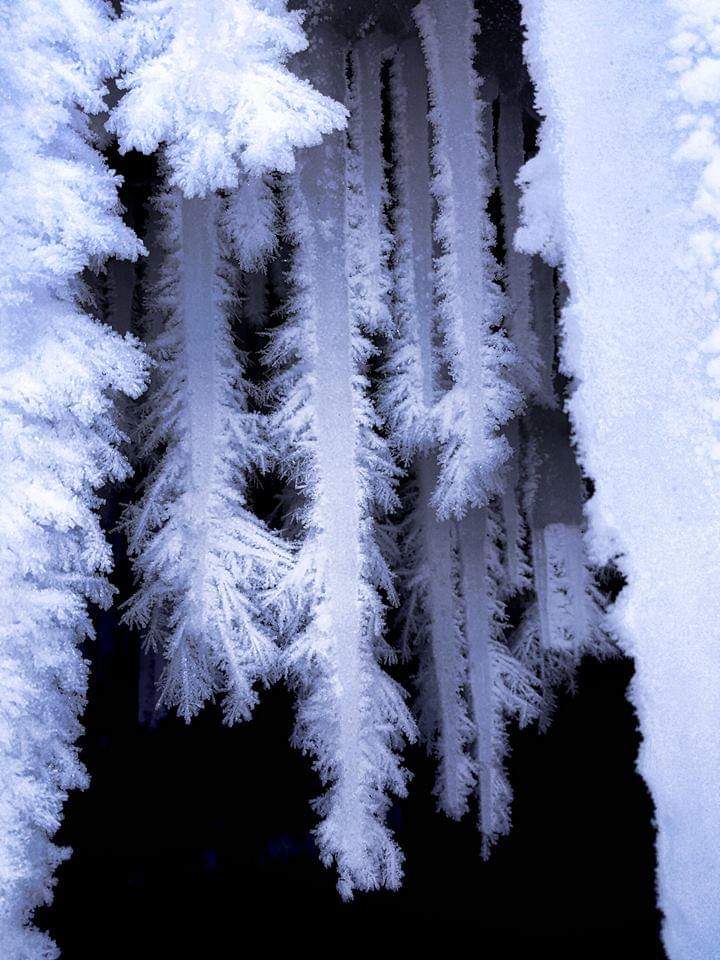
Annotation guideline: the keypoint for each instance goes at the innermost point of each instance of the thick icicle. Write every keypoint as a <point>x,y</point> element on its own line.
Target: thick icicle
<point>432,614</point>
<point>511,157</point>
<point>566,620</point>
<point>409,388</point>
<point>351,715</point>
<point>438,633</point>
<point>369,237</point>
<point>60,371</point>
<point>471,307</point>
<point>204,561</point>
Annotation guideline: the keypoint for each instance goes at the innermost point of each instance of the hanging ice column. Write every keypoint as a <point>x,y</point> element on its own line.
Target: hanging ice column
<point>562,581</point>
<point>636,329</point>
<point>471,303</point>
<point>500,686</point>
<point>369,238</point>
<point>432,617</point>
<point>409,387</point>
<point>518,322</point>
<point>519,319</point>
<point>567,619</point>
<point>351,716</point>
<point>204,562</point>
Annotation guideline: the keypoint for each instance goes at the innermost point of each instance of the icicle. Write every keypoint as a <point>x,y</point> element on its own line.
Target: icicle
<point>204,561</point>
<point>499,685</point>
<point>409,390</point>
<point>511,156</point>
<point>351,715</point>
<point>516,567</point>
<point>431,615</point>
<point>441,632</point>
<point>519,320</point>
<point>566,620</point>
<point>369,238</point>
<point>472,305</point>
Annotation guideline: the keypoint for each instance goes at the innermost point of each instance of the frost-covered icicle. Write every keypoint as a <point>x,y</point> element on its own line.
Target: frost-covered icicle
<point>518,264</point>
<point>457,635</point>
<point>499,685</point>
<point>204,562</point>
<point>471,307</point>
<point>59,444</point>
<point>409,390</point>
<point>566,620</point>
<point>482,396</point>
<point>518,323</point>
<point>351,715</point>
<point>435,622</point>
<point>431,613</point>
<point>369,237</point>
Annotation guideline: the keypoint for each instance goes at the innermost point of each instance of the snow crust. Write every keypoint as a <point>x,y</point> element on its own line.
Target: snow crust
<point>608,194</point>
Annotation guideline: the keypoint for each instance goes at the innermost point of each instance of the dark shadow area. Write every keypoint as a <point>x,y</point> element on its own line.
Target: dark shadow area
<point>198,831</point>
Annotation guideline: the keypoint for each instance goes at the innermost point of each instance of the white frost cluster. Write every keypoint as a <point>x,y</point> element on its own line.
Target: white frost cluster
<point>210,81</point>
<point>59,370</point>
